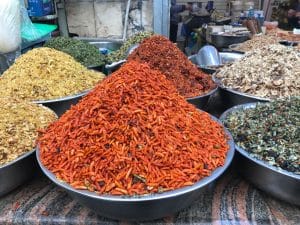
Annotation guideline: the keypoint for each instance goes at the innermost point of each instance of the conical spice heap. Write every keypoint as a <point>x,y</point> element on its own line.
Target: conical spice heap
<point>133,134</point>
<point>161,54</point>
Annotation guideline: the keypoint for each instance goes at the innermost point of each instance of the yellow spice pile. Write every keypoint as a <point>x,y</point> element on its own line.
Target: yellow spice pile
<point>44,73</point>
<point>19,125</point>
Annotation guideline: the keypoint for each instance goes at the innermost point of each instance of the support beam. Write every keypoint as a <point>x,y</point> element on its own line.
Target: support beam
<point>161,17</point>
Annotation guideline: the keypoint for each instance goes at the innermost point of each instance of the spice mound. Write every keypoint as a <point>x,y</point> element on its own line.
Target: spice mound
<point>133,135</point>
<point>163,55</point>
<point>269,72</point>
<point>121,54</point>
<point>19,125</point>
<point>44,74</point>
<point>257,42</point>
<point>81,51</point>
<point>270,132</point>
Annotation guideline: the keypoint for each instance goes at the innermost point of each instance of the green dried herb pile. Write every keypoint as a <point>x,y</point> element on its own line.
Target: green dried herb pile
<point>83,52</point>
<point>270,132</point>
<point>121,53</point>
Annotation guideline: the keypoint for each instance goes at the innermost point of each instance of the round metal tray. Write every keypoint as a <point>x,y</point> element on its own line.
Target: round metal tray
<point>146,207</point>
<point>17,172</point>
<point>201,101</point>
<point>60,105</point>
<point>279,183</point>
<point>232,98</point>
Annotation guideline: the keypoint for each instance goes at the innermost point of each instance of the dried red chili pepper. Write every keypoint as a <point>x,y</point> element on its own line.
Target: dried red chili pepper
<point>163,55</point>
<point>133,134</point>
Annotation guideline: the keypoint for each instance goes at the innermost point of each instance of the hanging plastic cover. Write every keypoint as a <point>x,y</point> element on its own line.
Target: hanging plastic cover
<point>29,32</point>
<point>10,26</point>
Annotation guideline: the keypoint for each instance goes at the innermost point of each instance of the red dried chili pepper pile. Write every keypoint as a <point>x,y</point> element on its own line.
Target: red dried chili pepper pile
<point>163,55</point>
<point>133,134</point>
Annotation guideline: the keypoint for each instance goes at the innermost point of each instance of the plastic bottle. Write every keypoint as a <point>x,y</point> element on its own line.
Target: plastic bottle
<point>251,12</point>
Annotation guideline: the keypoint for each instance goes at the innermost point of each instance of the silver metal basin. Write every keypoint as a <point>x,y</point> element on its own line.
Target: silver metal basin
<point>225,57</point>
<point>110,45</point>
<point>223,41</point>
<point>60,105</point>
<point>201,101</point>
<point>147,207</point>
<point>279,183</point>
<point>110,68</point>
<point>232,98</point>
<point>17,172</point>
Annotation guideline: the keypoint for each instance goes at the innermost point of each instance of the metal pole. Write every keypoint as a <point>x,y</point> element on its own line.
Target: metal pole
<point>161,17</point>
<point>126,20</point>
<point>62,18</point>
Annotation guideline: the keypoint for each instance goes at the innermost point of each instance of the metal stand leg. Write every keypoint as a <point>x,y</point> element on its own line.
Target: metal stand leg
<point>62,18</point>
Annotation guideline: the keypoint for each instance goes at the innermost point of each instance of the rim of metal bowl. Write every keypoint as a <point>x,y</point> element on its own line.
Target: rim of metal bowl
<point>233,48</point>
<point>25,155</point>
<point>63,98</point>
<point>217,67</point>
<point>114,64</point>
<point>244,152</point>
<point>205,95</point>
<point>139,198</point>
<point>220,85</point>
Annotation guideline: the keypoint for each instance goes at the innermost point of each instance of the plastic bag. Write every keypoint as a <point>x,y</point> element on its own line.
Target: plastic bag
<point>28,31</point>
<point>10,26</point>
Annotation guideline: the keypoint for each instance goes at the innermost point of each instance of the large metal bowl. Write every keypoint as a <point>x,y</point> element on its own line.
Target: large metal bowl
<point>223,41</point>
<point>232,98</point>
<point>147,207</point>
<point>17,172</point>
<point>225,57</point>
<point>201,101</point>
<point>279,183</point>
<point>109,45</point>
<point>235,48</point>
<point>60,105</point>
<point>110,68</point>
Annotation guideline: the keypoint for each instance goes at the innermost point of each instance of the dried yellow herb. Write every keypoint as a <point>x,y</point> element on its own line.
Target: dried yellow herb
<point>19,125</point>
<point>45,73</point>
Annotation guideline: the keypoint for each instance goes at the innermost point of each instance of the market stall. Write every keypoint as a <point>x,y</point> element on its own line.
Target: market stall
<point>138,132</point>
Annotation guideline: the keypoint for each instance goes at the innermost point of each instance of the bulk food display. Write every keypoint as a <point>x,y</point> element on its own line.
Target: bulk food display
<point>270,72</point>
<point>133,135</point>
<point>267,143</point>
<point>163,55</point>
<point>44,74</point>
<point>257,42</point>
<point>269,132</point>
<point>19,126</point>
<point>83,52</point>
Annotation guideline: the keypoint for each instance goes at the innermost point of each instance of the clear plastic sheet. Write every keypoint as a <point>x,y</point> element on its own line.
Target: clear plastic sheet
<point>10,23</point>
<point>28,31</point>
